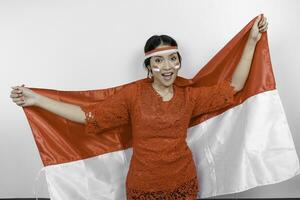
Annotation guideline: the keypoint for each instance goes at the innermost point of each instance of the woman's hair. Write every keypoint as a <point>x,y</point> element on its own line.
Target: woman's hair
<point>156,40</point>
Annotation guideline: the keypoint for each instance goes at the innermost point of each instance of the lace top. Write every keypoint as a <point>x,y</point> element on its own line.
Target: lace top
<point>161,165</point>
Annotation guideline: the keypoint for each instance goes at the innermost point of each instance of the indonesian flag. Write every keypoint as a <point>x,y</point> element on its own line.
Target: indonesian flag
<point>244,145</point>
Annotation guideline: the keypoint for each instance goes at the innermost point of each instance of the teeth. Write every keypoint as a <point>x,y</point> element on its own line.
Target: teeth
<point>167,74</point>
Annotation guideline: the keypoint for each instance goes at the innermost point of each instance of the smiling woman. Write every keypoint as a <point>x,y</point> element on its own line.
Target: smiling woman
<point>163,62</point>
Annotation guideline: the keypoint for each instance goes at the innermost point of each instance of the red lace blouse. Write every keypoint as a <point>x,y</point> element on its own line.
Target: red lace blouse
<point>161,166</point>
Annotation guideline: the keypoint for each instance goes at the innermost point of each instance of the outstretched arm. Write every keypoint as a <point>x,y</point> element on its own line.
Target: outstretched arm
<point>24,97</point>
<point>241,72</point>
<point>69,111</point>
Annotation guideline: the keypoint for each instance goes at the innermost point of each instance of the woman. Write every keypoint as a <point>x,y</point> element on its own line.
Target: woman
<point>161,164</point>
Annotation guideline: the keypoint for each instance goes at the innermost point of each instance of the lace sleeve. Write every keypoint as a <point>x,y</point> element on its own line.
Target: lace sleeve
<point>212,98</point>
<point>110,112</point>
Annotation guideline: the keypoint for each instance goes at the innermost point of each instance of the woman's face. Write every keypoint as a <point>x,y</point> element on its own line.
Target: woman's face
<point>162,65</point>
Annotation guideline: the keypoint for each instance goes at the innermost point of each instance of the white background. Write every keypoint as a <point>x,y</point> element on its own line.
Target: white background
<point>81,45</point>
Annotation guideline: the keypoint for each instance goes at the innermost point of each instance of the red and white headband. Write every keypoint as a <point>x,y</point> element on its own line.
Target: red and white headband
<point>159,51</point>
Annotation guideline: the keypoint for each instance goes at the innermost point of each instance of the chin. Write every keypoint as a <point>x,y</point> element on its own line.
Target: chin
<point>167,82</point>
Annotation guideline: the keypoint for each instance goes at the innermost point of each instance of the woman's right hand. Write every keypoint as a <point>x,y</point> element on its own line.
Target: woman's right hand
<point>23,96</point>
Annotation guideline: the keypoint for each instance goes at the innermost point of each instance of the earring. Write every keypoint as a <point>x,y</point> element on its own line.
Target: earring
<point>149,74</point>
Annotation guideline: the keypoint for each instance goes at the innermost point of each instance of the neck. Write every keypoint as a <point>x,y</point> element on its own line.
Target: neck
<point>162,88</point>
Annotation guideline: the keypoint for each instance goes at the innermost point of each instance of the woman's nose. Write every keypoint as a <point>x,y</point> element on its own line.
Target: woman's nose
<point>168,65</point>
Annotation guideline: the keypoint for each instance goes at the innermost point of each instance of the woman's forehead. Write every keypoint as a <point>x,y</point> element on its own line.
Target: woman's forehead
<point>166,54</point>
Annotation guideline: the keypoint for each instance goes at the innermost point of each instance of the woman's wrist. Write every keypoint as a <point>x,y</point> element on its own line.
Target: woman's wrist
<point>251,41</point>
<point>38,100</point>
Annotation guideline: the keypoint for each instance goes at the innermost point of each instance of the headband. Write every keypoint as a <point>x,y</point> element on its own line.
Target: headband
<point>160,51</point>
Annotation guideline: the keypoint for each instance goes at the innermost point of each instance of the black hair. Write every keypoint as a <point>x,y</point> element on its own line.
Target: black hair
<point>153,42</point>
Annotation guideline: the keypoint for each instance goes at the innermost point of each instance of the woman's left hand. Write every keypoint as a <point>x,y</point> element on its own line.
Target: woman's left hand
<point>260,25</point>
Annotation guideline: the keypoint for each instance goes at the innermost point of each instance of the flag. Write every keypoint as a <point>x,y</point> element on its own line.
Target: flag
<point>241,146</point>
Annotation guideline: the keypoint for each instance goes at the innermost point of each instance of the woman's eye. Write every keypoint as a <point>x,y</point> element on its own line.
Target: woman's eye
<point>174,58</point>
<point>157,60</point>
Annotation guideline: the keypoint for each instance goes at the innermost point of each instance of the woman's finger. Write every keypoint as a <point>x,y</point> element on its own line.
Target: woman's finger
<point>17,99</point>
<point>263,29</point>
<point>15,88</point>
<point>20,102</point>
<point>263,25</point>
<point>16,92</point>
<point>266,25</point>
<point>14,95</point>
<point>262,22</point>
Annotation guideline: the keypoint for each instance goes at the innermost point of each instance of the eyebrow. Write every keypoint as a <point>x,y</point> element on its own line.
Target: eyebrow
<point>169,55</point>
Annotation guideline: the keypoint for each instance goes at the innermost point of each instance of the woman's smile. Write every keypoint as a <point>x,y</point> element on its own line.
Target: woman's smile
<point>167,76</point>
